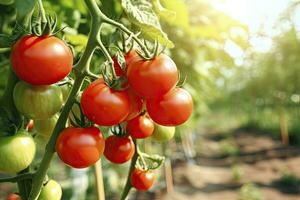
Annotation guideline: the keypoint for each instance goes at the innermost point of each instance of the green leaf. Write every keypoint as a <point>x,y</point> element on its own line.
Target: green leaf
<point>141,14</point>
<point>24,7</point>
<point>5,41</point>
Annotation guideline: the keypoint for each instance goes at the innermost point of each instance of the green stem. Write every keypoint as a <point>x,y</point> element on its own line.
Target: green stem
<point>128,185</point>
<point>80,69</point>
<point>125,30</point>
<point>19,177</point>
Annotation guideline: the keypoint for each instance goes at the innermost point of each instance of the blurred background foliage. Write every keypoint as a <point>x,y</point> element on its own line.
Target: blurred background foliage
<point>261,89</point>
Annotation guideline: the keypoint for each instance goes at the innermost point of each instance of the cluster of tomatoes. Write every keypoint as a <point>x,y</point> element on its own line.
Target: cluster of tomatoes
<point>149,105</point>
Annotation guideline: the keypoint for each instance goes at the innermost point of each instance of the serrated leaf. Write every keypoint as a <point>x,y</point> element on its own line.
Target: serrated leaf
<point>78,41</point>
<point>24,7</point>
<point>141,14</point>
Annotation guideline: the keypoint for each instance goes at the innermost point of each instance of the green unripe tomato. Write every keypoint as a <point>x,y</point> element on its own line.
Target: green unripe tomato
<point>6,2</point>
<point>65,89</point>
<point>37,102</point>
<point>43,129</point>
<point>163,133</point>
<point>51,191</point>
<point>16,152</point>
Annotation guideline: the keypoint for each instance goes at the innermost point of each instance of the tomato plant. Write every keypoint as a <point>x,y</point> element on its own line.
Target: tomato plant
<point>44,86</point>
<point>152,78</point>
<point>41,60</point>
<point>37,102</point>
<point>142,179</point>
<point>140,127</point>
<point>119,149</point>
<point>80,147</point>
<point>163,133</point>
<point>51,191</point>
<point>16,152</point>
<point>103,105</point>
<point>172,109</point>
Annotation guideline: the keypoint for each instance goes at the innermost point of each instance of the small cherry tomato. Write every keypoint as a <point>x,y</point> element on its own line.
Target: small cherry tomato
<point>152,78</point>
<point>41,60</point>
<point>80,147</point>
<point>13,197</point>
<point>51,191</point>
<point>172,109</point>
<point>140,127</point>
<point>128,58</point>
<point>119,149</point>
<point>103,105</point>
<point>142,180</point>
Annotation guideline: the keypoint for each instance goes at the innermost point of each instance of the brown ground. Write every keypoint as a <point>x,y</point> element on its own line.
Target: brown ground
<point>261,160</point>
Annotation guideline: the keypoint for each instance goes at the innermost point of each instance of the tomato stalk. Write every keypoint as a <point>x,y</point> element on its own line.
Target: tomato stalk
<point>128,185</point>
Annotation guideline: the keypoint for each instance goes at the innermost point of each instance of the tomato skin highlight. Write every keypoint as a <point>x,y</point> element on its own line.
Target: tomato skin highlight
<point>172,109</point>
<point>41,60</point>
<point>140,127</point>
<point>152,78</point>
<point>16,152</point>
<point>37,102</point>
<point>103,105</point>
<point>119,149</point>
<point>142,180</point>
<point>80,147</point>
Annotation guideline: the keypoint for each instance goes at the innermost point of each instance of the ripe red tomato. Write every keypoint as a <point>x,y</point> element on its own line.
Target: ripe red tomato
<point>13,197</point>
<point>172,109</point>
<point>140,127</point>
<point>103,105</point>
<point>151,78</point>
<point>136,104</point>
<point>80,147</point>
<point>41,60</point>
<point>141,179</point>
<point>128,58</point>
<point>119,149</point>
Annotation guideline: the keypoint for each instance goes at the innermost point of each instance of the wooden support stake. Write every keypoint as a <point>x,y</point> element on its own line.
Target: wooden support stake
<point>169,176</point>
<point>99,180</point>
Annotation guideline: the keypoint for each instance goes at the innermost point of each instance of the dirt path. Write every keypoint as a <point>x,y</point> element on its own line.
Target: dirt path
<point>275,173</point>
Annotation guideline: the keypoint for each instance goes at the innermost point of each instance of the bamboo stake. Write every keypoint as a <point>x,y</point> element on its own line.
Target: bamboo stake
<point>99,180</point>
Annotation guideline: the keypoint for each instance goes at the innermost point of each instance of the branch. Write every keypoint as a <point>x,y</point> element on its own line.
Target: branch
<point>14,179</point>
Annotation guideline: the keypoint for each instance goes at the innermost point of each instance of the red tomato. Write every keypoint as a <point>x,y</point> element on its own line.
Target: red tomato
<point>119,149</point>
<point>30,125</point>
<point>128,58</point>
<point>13,197</point>
<point>172,109</point>
<point>103,105</point>
<point>136,104</point>
<point>41,60</point>
<point>140,127</point>
<point>142,180</point>
<point>151,78</point>
<point>80,147</point>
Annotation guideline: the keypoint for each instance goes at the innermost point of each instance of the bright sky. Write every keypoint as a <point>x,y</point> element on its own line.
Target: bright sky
<point>259,15</point>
